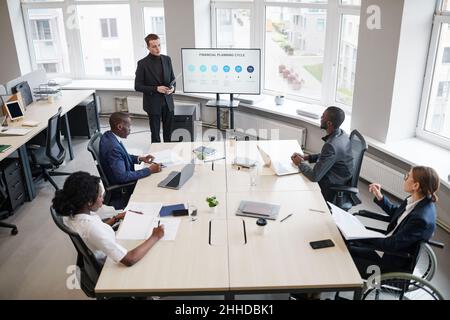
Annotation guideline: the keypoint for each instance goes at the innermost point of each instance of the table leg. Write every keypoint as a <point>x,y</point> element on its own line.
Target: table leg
<point>218,117</point>
<point>29,184</point>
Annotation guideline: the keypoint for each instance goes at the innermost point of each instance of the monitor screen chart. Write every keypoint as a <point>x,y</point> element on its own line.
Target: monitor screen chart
<point>233,71</point>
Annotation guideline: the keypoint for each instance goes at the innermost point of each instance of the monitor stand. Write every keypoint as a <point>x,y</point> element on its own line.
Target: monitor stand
<point>229,104</point>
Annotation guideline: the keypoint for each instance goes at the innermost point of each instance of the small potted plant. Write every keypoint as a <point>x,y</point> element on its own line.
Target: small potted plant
<point>212,203</point>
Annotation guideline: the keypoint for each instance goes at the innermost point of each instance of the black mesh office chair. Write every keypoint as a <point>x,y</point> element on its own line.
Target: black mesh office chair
<point>45,159</point>
<point>112,192</point>
<point>3,198</point>
<point>86,262</point>
<point>347,195</point>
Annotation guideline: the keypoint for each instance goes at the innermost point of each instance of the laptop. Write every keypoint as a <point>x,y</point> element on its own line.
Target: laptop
<point>258,210</point>
<point>176,179</point>
<point>281,168</point>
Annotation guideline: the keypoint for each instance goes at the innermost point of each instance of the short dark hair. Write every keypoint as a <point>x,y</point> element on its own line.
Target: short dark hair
<point>336,116</point>
<point>150,37</point>
<point>79,189</point>
<point>117,118</point>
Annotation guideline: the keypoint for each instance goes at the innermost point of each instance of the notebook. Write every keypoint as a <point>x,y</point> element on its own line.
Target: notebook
<point>258,210</point>
<point>167,210</point>
<point>14,132</point>
<point>4,147</point>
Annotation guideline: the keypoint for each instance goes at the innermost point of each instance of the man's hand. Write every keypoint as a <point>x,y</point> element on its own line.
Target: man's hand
<point>148,158</point>
<point>121,215</point>
<point>170,91</point>
<point>297,159</point>
<point>162,89</point>
<point>375,188</point>
<point>154,168</point>
<point>158,232</point>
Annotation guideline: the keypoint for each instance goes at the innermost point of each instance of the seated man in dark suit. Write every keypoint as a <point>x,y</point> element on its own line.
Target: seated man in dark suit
<point>117,164</point>
<point>411,222</point>
<point>334,163</point>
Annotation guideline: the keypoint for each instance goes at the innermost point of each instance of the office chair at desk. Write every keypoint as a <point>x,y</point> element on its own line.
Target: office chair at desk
<point>86,262</point>
<point>3,198</point>
<point>347,195</point>
<point>45,159</point>
<point>94,148</point>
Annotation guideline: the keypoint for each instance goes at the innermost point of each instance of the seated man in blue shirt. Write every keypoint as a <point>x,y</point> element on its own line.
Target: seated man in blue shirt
<point>334,163</point>
<point>117,163</point>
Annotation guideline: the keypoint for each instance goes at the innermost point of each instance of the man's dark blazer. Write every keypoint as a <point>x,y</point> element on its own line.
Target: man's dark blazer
<point>117,164</point>
<point>334,163</point>
<point>147,81</point>
<point>418,226</point>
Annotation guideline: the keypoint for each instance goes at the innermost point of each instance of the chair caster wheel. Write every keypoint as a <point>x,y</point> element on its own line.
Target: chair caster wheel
<point>14,231</point>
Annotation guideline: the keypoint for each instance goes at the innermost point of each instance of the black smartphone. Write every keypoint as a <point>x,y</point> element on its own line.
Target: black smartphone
<point>321,244</point>
<point>180,212</point>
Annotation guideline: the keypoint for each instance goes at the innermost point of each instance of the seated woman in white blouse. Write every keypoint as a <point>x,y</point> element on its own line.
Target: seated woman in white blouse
<point>78,201</point>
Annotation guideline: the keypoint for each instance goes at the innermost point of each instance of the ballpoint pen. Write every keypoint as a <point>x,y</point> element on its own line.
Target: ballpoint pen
<point>286,217</point>
<point>138,212</point>
<point>315,210</point>
<point>159,221</point>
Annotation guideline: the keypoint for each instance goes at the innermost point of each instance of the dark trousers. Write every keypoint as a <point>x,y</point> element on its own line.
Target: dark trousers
<point>155,125</point>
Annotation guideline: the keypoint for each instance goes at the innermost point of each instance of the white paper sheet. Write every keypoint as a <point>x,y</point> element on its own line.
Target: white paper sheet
<point>167,158</point>
<point>170,227</point>
<point>350,226</point>
<point>135,227</point>
<point>147,208</point>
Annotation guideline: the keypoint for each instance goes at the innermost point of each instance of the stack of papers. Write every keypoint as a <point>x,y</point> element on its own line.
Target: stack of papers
<point>350,227</point>
<point>14,132</point>
<point>167,158</point>
<point>140,220</point>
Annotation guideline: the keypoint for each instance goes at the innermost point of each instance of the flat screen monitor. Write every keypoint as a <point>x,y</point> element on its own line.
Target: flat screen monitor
<point>14,110</point>
<point>233,71</point>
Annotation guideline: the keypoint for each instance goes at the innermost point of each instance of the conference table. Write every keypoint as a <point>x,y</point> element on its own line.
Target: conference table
<point>218,252</point>
<point>40,112</point>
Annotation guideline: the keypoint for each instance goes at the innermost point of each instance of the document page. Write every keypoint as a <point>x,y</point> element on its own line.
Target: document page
<point>168,158</point>
<point>350,226</point>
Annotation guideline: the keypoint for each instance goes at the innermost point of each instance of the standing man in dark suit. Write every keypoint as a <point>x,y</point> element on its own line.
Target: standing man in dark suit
<point>154,75</point>
<point>117,163</point>
<point>334,163</point>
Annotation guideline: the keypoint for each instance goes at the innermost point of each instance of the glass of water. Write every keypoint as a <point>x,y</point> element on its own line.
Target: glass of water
<point>192,209</point>
<point>253,171</point>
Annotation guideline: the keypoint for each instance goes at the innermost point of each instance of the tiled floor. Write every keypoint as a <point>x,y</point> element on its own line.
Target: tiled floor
<point>35,264</point>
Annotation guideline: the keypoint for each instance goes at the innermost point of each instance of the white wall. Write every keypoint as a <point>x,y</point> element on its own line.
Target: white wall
<point>9,62</point>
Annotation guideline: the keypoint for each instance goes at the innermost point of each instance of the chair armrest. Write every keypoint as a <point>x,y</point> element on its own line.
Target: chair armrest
<point>376,230</point>
<point>404,255</point>
<point>120,186</point>
<point>345,189</point>
<point>436,244</point>
<point>372,215</point>
<point>33,146</point>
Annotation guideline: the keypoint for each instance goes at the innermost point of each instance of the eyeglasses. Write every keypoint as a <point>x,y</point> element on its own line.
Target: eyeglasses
<point>406,176</point>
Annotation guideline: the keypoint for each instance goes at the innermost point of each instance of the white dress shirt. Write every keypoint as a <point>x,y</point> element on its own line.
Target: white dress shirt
<point>98,236</point>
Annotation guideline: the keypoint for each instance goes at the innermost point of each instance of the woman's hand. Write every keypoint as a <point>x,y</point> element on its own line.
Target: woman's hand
<point>158,232</point>
<point>375,188</point>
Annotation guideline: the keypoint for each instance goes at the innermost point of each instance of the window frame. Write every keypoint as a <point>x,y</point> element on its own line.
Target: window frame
<point>258,8</point>
<point>73,38</point>
<point>439,19</point>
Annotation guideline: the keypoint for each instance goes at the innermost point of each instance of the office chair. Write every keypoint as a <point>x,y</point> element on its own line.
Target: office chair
<point>45,159</point>
<point>4,213</point>
<point>347,195</point>
<point>89,267</point>
<point>412,282</point>
<point>123,189</point>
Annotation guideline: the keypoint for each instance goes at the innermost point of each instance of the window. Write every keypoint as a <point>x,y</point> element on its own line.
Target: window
<point>112,66</point>
<point>434,120</point>
<point>233,28</point>
<point>98,44</point>
<point>347,59</point>
<point>109,28</point>
<point>446,57</point>
<point>47,41</point>
<point>101,31</point>
<point>294,54</point>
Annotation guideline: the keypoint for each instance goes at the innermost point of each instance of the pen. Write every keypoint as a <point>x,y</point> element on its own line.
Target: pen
<point>315,210</point>
<point>212,166</point>
<point>159,221</point>
<point>138,212</point>
<point>286,217</point>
